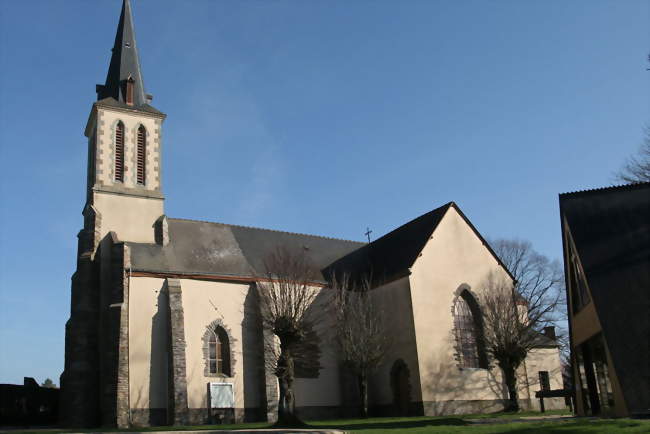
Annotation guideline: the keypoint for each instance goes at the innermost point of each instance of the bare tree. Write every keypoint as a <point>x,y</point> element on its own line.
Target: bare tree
<point>515,315</point>
<point>287,294</point>
<point>637,168</point>
<point>361,331</point>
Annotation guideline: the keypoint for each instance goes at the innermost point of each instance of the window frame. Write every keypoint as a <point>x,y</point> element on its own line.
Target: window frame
<point>218,354</point>
<point>468,331</point>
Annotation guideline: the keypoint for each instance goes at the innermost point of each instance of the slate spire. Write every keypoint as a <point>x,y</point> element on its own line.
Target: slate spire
<point>125,64</point>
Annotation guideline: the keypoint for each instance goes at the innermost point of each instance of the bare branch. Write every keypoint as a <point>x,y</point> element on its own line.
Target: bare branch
<point>516,313</point>
<point>287,293</point>
<point>637,167</point>
<point>361,332</point>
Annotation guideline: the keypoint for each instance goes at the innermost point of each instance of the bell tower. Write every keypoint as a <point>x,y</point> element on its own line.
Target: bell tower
<point>124,203</point>
<point>124,146</point>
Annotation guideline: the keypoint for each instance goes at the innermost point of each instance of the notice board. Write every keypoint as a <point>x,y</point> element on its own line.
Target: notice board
<point>221,395</point>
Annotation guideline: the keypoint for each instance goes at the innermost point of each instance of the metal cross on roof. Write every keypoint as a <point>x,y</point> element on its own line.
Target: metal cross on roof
<point>368,232</point>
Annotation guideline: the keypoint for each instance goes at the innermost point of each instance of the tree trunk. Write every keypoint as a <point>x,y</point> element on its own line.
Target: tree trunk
<point>363,393</point>
<point>286,403</point>
<point>511,384</point>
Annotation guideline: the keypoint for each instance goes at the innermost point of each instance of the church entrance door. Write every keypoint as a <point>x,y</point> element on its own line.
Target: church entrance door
<point>400,384</point>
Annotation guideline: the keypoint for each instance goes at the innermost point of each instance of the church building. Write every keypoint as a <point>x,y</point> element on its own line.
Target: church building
<point>165,327</point>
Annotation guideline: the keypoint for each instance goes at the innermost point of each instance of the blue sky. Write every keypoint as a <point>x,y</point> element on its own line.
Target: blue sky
<point>320,117</point>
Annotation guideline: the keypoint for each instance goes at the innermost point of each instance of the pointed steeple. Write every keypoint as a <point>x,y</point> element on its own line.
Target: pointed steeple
<point>124,71</point>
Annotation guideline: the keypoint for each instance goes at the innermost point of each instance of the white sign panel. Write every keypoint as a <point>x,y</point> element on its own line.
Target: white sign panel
<point>222,395</point>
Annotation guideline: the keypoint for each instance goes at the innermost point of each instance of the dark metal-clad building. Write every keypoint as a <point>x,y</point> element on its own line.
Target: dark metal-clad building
<point>606,237</point>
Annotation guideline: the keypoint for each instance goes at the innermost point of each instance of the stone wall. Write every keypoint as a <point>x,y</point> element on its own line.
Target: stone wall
<point>177,383</point>
<point>80,378</point>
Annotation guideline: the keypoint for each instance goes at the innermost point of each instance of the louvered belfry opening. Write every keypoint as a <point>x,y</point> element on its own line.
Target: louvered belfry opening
<point>119,152</point>
<point>142,153</point>
<point>129,91</point>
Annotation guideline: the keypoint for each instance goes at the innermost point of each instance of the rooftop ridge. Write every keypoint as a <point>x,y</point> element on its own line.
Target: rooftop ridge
<point>633,185</point>
<point>269,230</point>
<point>440,208</point>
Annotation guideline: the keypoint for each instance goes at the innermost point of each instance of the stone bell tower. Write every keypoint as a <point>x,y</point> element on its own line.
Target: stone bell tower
<point>124,203</point>
<point>124,144</point>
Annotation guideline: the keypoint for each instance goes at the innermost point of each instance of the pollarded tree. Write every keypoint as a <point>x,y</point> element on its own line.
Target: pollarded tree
<point>287,294</point>
<point>515,316</point>
<point>361,331</point>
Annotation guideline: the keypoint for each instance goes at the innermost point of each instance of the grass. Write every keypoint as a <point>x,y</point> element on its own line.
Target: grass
<point>518,415</point>
<point>478,423</point>
<point>435,425</point>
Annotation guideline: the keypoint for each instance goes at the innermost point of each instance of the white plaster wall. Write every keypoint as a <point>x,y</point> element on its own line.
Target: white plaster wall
<point>544,359</point>
<point>394,300</point>
<point>541,359</point>
<point>325,389</point>
<point>453,256</point>
<point>147,343</point>
<point>131,218</point>
<point>204,302</point>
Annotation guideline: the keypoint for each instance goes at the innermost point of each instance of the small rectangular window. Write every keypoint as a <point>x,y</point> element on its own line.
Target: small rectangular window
<point>544,381</point>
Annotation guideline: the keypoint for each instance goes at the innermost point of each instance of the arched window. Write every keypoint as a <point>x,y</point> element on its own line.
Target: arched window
<point>119,152</point>
<point>218,352</point>
<point>469,332</point>
<point>142,153</point>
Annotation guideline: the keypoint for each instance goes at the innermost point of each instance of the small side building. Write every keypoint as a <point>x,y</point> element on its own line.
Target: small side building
<point>606,238</point>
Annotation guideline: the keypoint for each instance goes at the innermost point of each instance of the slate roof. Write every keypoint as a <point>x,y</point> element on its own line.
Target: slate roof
<point>125,62</point>
<point>112,102</point>
<point>393,254</point>
<point>543,341</point>
<point>198,247</point>
<point>610,228</point>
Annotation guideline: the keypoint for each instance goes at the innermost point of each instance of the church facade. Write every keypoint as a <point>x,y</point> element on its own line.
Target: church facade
<point>165,323</point>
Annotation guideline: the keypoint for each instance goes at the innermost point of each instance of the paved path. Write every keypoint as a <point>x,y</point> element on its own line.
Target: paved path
<point>240,431</point>
<point>257,431</point>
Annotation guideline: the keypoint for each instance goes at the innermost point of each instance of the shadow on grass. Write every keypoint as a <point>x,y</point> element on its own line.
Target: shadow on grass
<point>397,424</point>
<point>517,415</point>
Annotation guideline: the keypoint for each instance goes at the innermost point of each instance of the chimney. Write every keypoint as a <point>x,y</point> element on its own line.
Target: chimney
<point>549,332</point>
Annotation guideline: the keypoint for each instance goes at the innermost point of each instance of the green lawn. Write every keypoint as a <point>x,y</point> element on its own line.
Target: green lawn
<point>478,423</point>
<point>437,425</point>
<point>518,415</point>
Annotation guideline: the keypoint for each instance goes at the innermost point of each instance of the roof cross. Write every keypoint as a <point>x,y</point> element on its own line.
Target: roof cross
<point>368,232</point>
